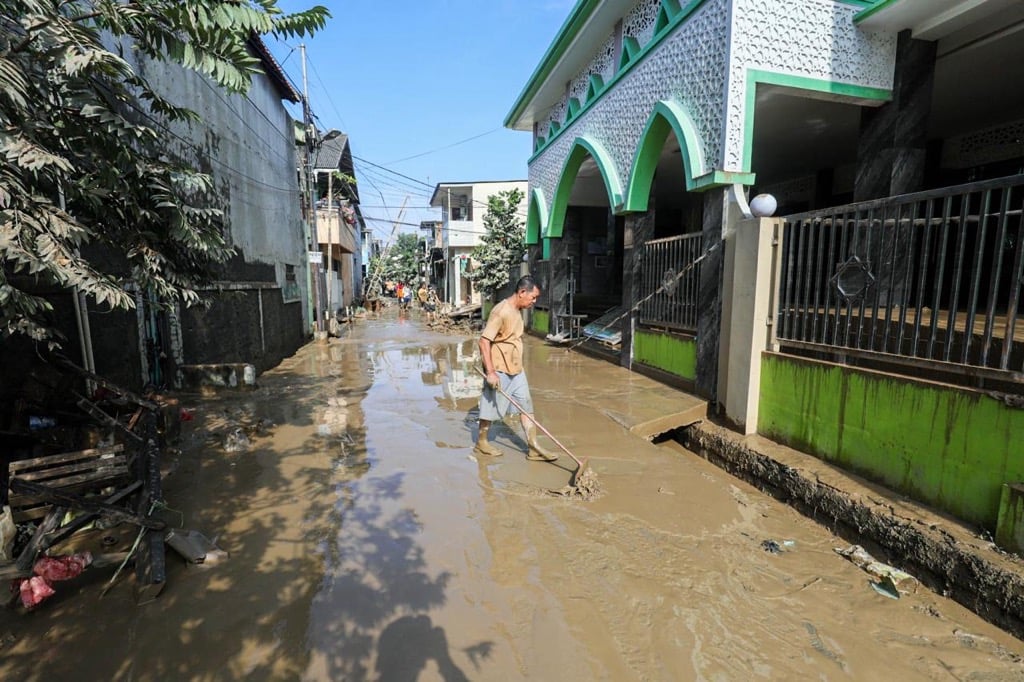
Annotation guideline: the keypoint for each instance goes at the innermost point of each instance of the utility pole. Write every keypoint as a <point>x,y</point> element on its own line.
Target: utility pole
<point>375,276</point>
<point>312,243</point>
<point>447,237</point>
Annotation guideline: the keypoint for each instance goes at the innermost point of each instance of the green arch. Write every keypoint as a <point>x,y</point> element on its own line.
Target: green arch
<point>668,115</point>
<point>536,217</point>
<point>582,147</point>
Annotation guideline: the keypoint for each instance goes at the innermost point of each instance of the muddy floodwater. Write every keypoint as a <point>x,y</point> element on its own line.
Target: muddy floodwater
<point>365,542</point>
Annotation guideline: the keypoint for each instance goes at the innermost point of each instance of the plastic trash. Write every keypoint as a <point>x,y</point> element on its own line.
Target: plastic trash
<point>36,423</point>
<point>886,587</point>
<point>775,547</point>
<point>236,441</point>
<point>194,547</point>
<point>8,531</point>
<point>882,572</point>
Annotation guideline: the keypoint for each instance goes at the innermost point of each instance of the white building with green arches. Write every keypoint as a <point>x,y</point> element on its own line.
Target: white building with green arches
<point>890,136</point>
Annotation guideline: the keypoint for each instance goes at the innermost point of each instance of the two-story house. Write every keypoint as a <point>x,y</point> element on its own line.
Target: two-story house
<point>463,207</point>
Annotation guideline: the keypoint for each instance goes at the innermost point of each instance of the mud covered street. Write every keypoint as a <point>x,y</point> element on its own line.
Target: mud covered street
<point>365,542</point>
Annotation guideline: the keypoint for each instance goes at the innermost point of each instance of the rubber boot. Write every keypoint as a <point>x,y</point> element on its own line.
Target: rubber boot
<point>536,453</point>
<point>483,446</point>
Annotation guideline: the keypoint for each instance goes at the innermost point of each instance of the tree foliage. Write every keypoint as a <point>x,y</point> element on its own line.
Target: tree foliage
<point>86,162</point>
<point>402,262</point>
<point>503,245</point>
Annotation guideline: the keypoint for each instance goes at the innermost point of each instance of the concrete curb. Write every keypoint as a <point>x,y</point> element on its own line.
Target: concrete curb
<point>943,553</point>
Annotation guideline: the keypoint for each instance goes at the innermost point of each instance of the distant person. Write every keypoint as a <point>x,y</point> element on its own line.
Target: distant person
<point>501,350</point>
<point>400,295</point>
<point>430,306</point>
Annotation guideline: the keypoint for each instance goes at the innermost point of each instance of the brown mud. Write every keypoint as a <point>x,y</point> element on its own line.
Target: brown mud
<point>365,542</point>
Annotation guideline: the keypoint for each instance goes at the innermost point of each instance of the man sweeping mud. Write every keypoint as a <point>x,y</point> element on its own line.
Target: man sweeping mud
<point>501,349</point>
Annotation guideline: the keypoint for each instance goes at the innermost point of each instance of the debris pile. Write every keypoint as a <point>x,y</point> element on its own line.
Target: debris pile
<point>82,458</point>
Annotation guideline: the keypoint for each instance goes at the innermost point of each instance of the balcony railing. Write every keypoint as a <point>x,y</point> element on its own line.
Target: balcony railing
<point>931,279</point>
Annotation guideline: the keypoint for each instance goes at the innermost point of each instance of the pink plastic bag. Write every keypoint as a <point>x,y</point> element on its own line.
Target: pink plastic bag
<point>56,568</point>
<point>34,590</point>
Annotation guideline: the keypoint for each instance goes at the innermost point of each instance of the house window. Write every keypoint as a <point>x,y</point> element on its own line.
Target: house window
<point>290,292</point>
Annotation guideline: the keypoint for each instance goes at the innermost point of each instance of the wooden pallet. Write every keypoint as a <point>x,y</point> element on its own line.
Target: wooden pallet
<point>73,472</point>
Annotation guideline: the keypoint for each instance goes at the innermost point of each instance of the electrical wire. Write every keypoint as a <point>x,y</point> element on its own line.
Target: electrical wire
<point>447,146</point>
<point>327,92</point>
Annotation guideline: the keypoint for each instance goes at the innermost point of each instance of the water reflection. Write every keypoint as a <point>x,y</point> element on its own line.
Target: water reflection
<point>370,614</point>
<point>453,367</point>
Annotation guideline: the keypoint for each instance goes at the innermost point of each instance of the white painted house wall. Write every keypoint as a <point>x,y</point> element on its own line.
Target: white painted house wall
<point>460,237</point>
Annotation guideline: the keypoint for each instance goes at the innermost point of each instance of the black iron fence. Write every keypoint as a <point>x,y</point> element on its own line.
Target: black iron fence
<point>930,279</point>
<point>669,281</point>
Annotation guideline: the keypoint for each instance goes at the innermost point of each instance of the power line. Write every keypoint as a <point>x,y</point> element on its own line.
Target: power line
<point>393,172</point>
<point>408,208</point>
<point>449,229</point>
<point>447,146</point>
<point>395,184</point>
<point>327,93</point>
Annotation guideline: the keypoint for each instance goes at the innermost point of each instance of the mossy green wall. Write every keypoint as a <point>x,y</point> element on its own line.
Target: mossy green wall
<point>668,352</point>
<point>952,448</point>
<point>540,321</point>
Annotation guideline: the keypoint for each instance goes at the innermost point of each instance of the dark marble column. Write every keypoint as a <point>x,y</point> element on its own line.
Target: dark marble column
<point>893,138</point>
<point>892,150</point>
<point>639,228</point>
<point>709,318</point>
<point>559,261</point>
<point>538,268</point>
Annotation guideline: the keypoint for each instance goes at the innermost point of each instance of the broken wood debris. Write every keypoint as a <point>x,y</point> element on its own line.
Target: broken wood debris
<point>110,475</point>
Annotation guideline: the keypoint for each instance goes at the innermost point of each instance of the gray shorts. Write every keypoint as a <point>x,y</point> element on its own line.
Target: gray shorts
<point>494,406</point>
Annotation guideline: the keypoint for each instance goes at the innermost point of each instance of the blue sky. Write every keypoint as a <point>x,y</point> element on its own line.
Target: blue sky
<point>411,82</point>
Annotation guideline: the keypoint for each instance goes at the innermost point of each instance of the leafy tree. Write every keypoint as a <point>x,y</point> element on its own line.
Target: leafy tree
<point>90,195</point>
<point>401,263</point>
<point>503,244</point>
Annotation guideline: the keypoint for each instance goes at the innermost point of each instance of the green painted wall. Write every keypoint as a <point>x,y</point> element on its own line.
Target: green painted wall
<point>540,321</point>
<point>949,447</point>
<point>668,352</point>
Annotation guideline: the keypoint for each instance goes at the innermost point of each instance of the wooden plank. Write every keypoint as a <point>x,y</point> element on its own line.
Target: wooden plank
<point>71,484</point>
<point>96,413</point>
<point>39,542</point>
<point>78,502</point>
<point>83,520</point>
<point>151,566</point>
<point>109,385</point>
<point>47,460</point>
<point>116,463</point>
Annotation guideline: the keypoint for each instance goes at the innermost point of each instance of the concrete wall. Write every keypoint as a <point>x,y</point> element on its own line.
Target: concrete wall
<point>250,324</point>
<point>668,352</point>
<point>245,142</point>
<point>950,447</point>
<point>540,321</point>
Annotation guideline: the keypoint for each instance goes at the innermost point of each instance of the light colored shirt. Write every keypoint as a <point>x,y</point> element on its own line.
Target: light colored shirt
<point>504,329</point>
